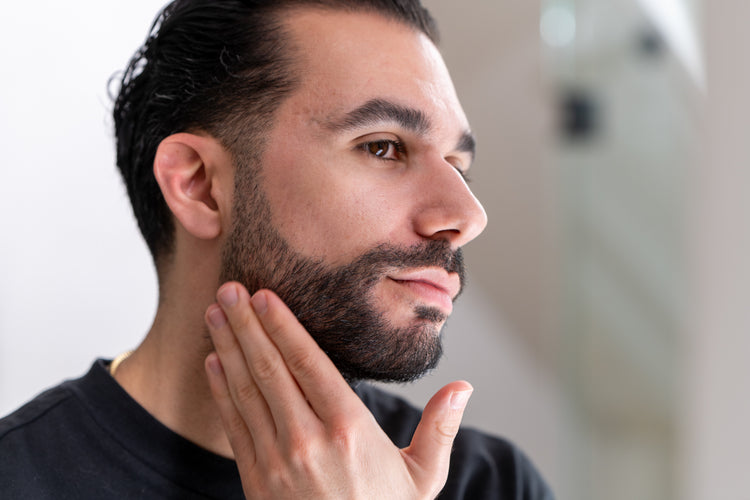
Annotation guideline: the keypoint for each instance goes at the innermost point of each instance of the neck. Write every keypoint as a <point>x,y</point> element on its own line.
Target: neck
<point>165,373</point>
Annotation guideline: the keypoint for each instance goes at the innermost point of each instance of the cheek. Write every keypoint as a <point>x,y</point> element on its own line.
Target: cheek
<point>328,212</point>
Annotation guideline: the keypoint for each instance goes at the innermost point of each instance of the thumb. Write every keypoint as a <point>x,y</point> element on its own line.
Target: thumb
<point>430,448</point>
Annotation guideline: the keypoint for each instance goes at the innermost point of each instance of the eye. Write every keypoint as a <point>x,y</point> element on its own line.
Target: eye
<point>384,149</point>
<point>464,175</point>
<point>460,169</point>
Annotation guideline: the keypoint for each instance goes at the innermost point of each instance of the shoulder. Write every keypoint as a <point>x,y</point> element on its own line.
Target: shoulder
<point>482,465</point>
<point>55,418</point>
<point>29,439</point>
<point>41,439</point>
<point>32,413</point>
<point>54,408</point>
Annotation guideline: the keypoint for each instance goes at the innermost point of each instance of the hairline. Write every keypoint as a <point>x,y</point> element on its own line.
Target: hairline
<point>247,152</point>
<point>294,53</point>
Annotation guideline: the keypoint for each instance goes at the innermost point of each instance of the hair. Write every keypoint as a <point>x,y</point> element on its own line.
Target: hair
<point>217,66</point>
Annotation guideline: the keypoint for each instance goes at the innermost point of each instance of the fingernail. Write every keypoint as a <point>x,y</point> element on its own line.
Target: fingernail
<point>216,317</point>
<point>460,399</point>
<point>228,295</point>
<point>260,303</point>
<point>214,364</point>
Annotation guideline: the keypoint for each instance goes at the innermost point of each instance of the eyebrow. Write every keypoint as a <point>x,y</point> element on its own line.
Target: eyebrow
<point>382,110</point>
<point>467,144</point>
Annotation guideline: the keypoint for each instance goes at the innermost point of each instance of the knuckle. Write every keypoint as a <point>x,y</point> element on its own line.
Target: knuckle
<point>343,436</point>
<point>301,363</point>
<point>247,394</point>
<point>265,368</point>
<point>297,458</point>
<point>300,452</point>
<point>274,324</point>
<point>276,479</point>
<point>445,432</point>
<point>235,425</point>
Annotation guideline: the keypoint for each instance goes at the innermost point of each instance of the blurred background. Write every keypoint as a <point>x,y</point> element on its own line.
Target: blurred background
<point>605,326</point>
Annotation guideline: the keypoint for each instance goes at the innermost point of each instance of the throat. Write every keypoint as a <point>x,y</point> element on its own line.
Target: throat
<point>174,390</point>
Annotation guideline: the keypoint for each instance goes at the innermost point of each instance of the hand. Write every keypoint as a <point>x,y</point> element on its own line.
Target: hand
<point>296,427</point>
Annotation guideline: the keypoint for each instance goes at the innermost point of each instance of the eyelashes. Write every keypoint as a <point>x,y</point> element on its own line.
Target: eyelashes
<point>395,150</point>
<point>464,175</point>
<point>384,149</point>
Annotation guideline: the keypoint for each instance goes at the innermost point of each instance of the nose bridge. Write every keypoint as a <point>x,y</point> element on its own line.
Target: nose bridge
<point>449,209</point>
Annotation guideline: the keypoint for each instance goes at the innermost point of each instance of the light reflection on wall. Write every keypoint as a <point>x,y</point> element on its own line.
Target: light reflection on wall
<point>558,25</point>
<point>627,128</point>
<point>679,26</point>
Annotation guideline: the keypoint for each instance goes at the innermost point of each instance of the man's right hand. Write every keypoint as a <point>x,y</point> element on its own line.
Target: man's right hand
<point>296,427</point>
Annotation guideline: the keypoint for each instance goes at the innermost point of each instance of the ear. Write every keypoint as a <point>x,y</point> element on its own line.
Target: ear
<point>194,173</point>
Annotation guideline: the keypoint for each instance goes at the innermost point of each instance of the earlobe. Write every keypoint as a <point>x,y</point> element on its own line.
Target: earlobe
<point>187,168</point>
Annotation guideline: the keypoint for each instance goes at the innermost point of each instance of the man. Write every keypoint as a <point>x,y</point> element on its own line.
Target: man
<point>311,152</point>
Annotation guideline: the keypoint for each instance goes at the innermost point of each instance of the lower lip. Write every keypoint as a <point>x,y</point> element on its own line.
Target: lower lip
<point>429,294</point>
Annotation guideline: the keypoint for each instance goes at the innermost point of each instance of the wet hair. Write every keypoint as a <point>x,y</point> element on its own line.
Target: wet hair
<point>217,66</point>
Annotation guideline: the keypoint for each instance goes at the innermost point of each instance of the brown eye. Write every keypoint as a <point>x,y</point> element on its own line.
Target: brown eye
<point>379,148</point>
<point>384,149</point>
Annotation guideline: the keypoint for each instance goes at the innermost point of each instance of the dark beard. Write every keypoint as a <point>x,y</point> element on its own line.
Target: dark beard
<point>336,305</point>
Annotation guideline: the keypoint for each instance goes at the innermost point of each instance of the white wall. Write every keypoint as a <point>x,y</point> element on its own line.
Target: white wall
<point>75,278</point>
<point>716,440</point>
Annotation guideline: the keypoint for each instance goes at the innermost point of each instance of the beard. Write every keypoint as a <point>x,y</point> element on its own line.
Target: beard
<point>337,305</point>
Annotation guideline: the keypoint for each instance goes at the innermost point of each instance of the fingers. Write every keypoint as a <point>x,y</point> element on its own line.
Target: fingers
<point>241,388</point>
<point>265,366</point>
<point>236,429</point>
<point>322,384</point>
<point>290,415</point>
<point>431,445</point>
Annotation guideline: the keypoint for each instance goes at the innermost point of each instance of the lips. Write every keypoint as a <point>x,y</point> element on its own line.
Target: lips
<point>433,286</point>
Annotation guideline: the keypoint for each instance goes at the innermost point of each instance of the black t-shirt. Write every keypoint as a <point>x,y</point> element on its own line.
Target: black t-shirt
<point>87,438</point>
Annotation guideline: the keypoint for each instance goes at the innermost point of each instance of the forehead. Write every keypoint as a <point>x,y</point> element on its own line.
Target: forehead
<point>345,59</point>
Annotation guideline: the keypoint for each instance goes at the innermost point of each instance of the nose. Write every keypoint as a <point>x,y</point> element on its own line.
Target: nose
<point>447,209</point>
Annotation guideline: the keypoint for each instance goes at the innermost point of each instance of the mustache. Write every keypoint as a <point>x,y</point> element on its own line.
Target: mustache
<point>435,253</point>
<point>432,253</point>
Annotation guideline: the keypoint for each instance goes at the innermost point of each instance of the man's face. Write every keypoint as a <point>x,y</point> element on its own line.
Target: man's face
<point>360,207</point>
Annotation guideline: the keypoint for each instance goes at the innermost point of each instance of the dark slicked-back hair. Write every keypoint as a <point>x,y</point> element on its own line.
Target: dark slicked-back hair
<point>218,66</point>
